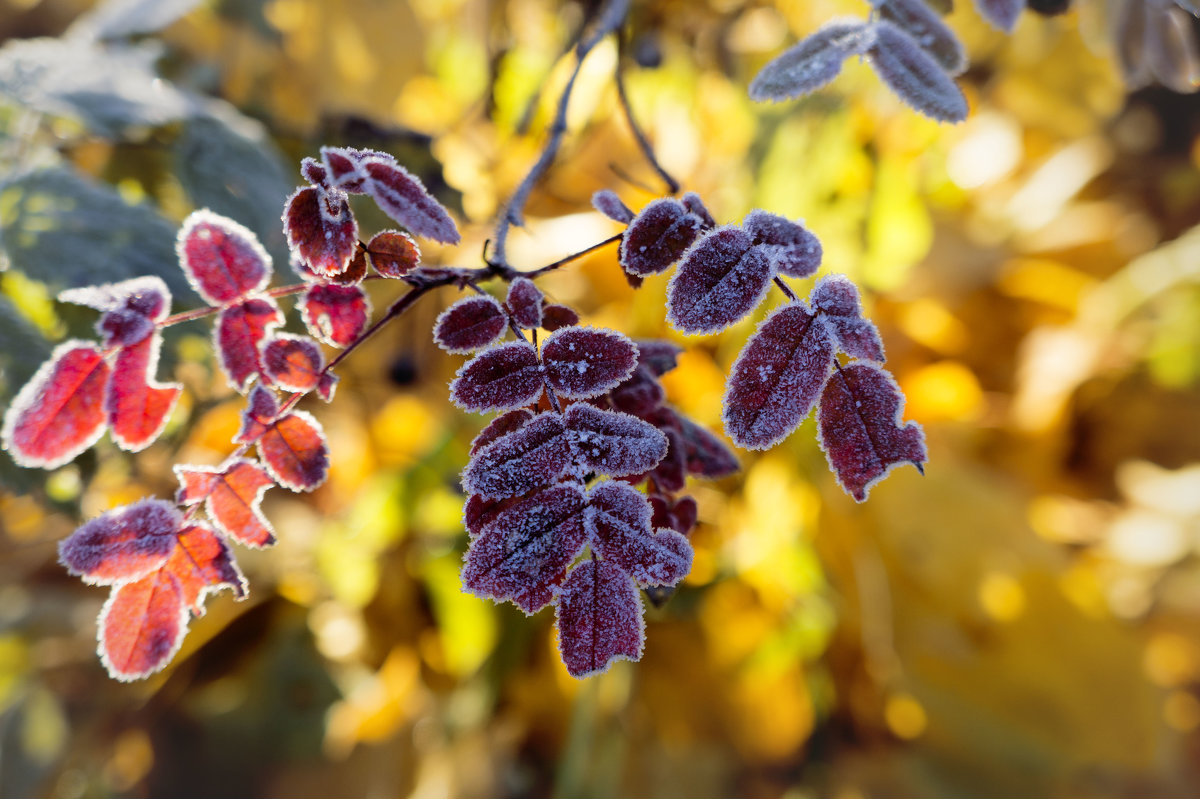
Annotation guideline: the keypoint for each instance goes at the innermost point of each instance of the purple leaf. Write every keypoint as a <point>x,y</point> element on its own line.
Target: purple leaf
<point>125,543</point>
<point>582,362</point>
<point>1001,14</point>
<point>721,279</point>
<point>812,62</point>
<point>525,551</point>
<point>555,317</point>
<point>614,443</point>
<point>777,378</point>
<point>239,331</point>
<point>658,237</point>
<point>533,455</point>
<point>478,512</point>
<point>599,617</point>
<point>609,204</point>
<point>312,171</point>
<point>860,428</point>
<point>671,472</point>
<point>705,454</point>
<point>500,379</point>
<point>618,520</point>
<point>658,356</point>
<point>679,516</point>
<point>131,307</point>
<point>525,303</point>
<point>223,261</point>
<point>344,166</point>
<point>403,197</point>
<point>691,201</point>
<point>640,395</point>
<point>914,76</point>
<point>501,425</point>
<point>470,324</point>
<point>292,362</point>
<point>928,30</point>
<point>835,299</point>
<point>795,251</point>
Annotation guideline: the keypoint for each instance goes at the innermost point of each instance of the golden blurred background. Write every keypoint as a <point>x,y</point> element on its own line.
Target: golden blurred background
<point>1023,621</point>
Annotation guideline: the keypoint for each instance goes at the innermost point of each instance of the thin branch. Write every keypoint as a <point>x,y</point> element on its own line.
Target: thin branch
<point>638,135</point>
<point>572,257</point>
<point>791,295</point>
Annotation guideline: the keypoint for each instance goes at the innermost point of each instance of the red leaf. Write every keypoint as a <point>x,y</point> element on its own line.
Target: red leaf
<point>691,201</point>
<point>721,279</point>
<point>393,254</point>
<point>137,405</point>
<point>671,472</point>
<point>314,172</point>
<point>261,410</point>
<point>131,307</point>
<point>658,236</point>
<point>231,496</point>
<point>500,379</point>
<point>640,395</point>
<point>599,618</point>
<point>584,362</point>
<point>293,363</point>
<point>836,300</point>
<point>658,356</point>
<point>327,385</point>
<point>239,331</point>
<point>679,516</point>
<point>525,303</point>
<point>705,454</point>
<point>812,62</point>
<point>525,551</point>
<point>294,451</point>
<point>60,412</point>
<point>402,197</point>
<point>534,455</point>
<point>618,520</point>
<point>344,165</point>
<point>502,424</point>
<point>478,512</point>
<point>927,29</point>
<point>859,424</point>
<point>609,204</point>
<point>614,443</point>
<point>914,76</point>
<point>558,316</point>
<point>777,378</point>
<point>320,227</point>
<point>335,314</point>
<point>470,324</point>
<point>142,625</point>
<point>794,251</point>
<point>125,543</point>
<point>222,260</point>
<point>202,564</point>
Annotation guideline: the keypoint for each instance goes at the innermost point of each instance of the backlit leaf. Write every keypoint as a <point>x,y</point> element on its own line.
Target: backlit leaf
<point>777,378</point>
<point>835,299</point>
<point>794,251</point>
<point>503,378</point>
<point>924,25</point>
<point>533,455</point>
<point>721,279</point>
<point>658,236</point>
<point>403,197</point>
<point>679,516</point>
<point>293,363</point>
<point>860,428</point>
<point>262,407</point>
<point>321,229</point>
<point>223,261</point>
<point>470,324</point>
<point>706,455</point>
<point>294,451</point>
<point>812,62</point>
<point>525,551</point>
<point>335,314</point>
<point>599,616</point>
<point>145,296</point>
<point>240,329</point>
<point>914,76</point>
<point>583,362</point>
<point>608,203</point>
<point>202,564</point>
<point>142,625</point>
<point>60,412</point>
<point>231,496</point>
<point>343,167</point>
<point>614,443</point>
<point>1000,14</point>
<point>525,303</point>
<point>125,543</point>
<point>138,405</point>
<point>618,520</point>
<point>393,254</point>
<point>670,474</point>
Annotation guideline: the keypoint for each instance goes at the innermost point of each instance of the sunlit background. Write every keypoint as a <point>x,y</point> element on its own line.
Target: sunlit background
<point>1022,621</point>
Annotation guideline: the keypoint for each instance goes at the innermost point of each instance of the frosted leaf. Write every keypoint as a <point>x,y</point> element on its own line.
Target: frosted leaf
<point>312,171</point>
<point>777,378</point>
<point>582,362</point>
<point>292,362</point>
<point>671,472</point>
<point>835,299</point>
<point>239,331</point>
<point>618,520</point>
<point>525,551</point>
<point>321,229</point>
<point>614,443</point>
<point>147,297</point>
<point>525,303</point>
<point>928,30</point>
<point>599,617</point>
<point>501,425</point>
<point>1001,14</point>
<point>294,451</point>
<point>657,237</point>
<point>470,324</point>
<point>232,498</point>
<point>794,250</point>
<point>608,203</point>
<point>344,167</point>
<point>722,278</point>
<point>478,512</point>
<point>696,207</point>
<point>223,260</point>
<point>202,564</point>
<point>640,395</point>
<point>402,196</point>
<point>860,428</point>
<point>336,315</point>
<point>393,254</point>
<point>679,516</point>
<point>261,409</point>
<point>142,625</point>
<point>914,76</point>
<point>658,356</point>
<point>136,404</point>
<point>123,544</point>
<point>704,453</point>
<point>327,386</point>
<point>122,328</point>
<point>503,378</point>
<point>558,316</point>
<point>533,455</point>
<point>812,62</point>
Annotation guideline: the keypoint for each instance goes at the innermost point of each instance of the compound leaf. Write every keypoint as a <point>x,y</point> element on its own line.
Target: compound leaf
<point>618,520</point>
<point>836,301</point>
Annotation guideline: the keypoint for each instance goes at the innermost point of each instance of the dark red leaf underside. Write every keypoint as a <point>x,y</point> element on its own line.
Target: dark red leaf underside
<point>232,499</point>
<point>658,356</point>
<point>202,564</point>
<point>478,512</point>
<point>777,378</point>
<point>534,455</point>
<point>555,317</point>
<point>811,63</point>
<point>671,472</point>
<point>261,409</point>
<point>618,520</point>
<point>720,280</point>
<point>335,314</point>
<point>927,29</point>
<point>502,424</point>
<point>222,260</point>
<point>679,516</point>
<point>525,551</point>
<point>914,75</point>
<point>525,303</point>
<point>640,395</point>
<point>123,544</point>
<point>137,405</point>
<point>142,625</point>
<point>614,443</point>
<point>794,250</point>
<point>293,363</point>
<point>609,204</point>
<point>321,228</point>
<point>60,412</point>
<point>239,331</point>
<point>470,324</point>
<point>706,454</point>
<point>402,197</point>
<point>836,300</point>
<point>312,171</point>
<point>859,425</point>
<point>585,362</point>
<point>658,237</point>
<point>393,254</point>
<point>500,379</point>
<point>599,617</point>
<point>294,451</point>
